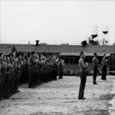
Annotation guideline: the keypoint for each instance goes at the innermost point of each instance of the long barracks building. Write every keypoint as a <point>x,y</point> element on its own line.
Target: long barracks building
<point>70,53</point>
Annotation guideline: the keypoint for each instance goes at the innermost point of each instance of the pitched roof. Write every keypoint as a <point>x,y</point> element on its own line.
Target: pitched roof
<point>73,49</point>
<point>77,54</point>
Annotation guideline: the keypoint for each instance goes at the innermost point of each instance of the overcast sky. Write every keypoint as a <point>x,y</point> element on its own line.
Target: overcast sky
<point>55,22</point>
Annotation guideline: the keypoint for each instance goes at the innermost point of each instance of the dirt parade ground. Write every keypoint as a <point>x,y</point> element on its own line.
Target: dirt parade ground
<point>60,97</point>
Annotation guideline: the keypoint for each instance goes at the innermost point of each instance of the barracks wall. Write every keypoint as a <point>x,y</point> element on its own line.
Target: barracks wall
<point>70,53</point>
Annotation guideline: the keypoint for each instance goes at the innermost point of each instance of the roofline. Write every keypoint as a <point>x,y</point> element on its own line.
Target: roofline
<point>57,45</point>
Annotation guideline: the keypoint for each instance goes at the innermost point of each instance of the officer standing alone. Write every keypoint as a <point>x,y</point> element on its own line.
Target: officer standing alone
<point>95,68</point>
<point>104,67</point>
<point>83,69</point>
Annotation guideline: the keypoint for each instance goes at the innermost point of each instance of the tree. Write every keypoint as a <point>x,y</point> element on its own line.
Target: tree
<point>43,44</point>
<point>113,44</point>
<point>64,44</point>
<point>84,43</point>
<point>93,42</point>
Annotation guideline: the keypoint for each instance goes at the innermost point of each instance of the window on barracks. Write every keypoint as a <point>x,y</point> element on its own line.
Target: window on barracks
<point>71,60</point>
<point>66,60</point>
<point>76,60</point>
<point>89,59</point>
<point>63,58</point>
<point>100,59</point>
<point>112,59</point>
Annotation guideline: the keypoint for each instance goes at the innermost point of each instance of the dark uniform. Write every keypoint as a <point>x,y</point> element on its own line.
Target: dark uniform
<point>8,78</point>
<point>60,68</point>
<point>83,68</point>
<point>95,69</point>
<point>104,68</point>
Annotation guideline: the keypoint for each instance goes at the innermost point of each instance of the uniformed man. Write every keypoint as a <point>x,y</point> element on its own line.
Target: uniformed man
<point>34,60</point>
<point>104,67</point>
<point>60,68</point>
<point>95,68</point>
<point>83,70</point>
<point>1,78</point>
<point>5,78</point>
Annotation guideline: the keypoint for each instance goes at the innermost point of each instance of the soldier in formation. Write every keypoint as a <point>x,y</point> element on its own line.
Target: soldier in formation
<point>33,62</point>
<point>31,68</point>
<point>43,69</point>
<point>95,68</point>
<point>9,75</point>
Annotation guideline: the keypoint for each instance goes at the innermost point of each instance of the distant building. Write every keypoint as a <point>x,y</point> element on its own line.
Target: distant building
<point>69,53</point>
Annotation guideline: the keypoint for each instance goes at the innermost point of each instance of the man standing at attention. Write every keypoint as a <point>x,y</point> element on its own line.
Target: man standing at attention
<point>104,67</point>
<point>83,69</point>
<point>95,67</point>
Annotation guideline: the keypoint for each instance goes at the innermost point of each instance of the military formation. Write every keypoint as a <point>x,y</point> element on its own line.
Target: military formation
<point>34,69</point>
<point>31,68</point>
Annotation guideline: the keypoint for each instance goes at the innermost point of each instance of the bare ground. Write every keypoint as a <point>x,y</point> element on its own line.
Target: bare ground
<point>60,98</point>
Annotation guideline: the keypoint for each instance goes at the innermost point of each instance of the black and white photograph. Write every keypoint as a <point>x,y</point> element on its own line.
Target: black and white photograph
<point>57,57</point>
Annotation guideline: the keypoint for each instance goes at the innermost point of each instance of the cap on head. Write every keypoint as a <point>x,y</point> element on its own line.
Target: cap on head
<point>81,53</point>
<point>104,55</point>
<point>95,54</point>
<point>33,52</point>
